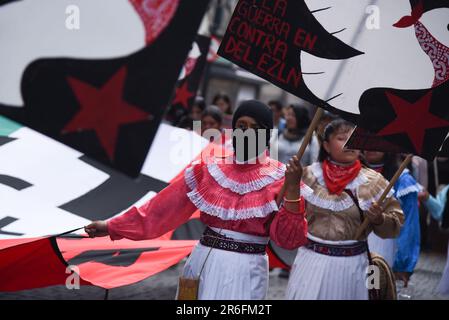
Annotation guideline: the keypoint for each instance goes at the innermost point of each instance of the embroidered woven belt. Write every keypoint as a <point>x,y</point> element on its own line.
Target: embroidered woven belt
<point>213,239</point>
<point>337,250</point>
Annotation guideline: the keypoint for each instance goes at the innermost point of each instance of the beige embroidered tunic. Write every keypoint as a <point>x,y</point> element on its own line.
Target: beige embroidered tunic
<point>336,218</point>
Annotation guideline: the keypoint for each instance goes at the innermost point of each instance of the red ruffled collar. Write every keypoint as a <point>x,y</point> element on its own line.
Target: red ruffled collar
<point>233,191</point>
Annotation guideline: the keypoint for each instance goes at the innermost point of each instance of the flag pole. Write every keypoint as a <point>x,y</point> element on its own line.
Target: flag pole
<point>382,198</point>
<point>309,134</point>
<point>305,142</point>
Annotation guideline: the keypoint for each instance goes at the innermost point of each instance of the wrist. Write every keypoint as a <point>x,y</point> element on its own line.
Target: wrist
<point>292,188</point>
<point>295,206</point>
<point>107,227</point>
<point>292,200</point>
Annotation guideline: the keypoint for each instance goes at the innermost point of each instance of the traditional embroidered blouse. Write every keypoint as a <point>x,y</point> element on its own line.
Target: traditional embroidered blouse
<point>236,197</point>
<point>336,217</point>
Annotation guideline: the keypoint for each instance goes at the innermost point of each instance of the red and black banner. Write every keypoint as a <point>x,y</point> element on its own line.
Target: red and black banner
<point>403,121</point>
<point>42,262</point>
<point>267,38</point>
<point>412,121</point>
<point>324,52</point>
<point>107,108</point>
<point>190,78</point>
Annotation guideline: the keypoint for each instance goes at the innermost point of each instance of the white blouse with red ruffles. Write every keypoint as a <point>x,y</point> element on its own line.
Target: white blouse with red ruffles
<point>236,197</point>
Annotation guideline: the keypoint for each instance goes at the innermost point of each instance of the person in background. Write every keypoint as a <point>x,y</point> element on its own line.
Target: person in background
<point>211,118</point>
<point>297,123</point>
<point>439,209</point>
<point>401,253</point>
<point>420,171</point>
<point>197,109</point>
<point>186,121</point>
<point>279,121</point>
<point>284,111</point>
<point>223,102</point>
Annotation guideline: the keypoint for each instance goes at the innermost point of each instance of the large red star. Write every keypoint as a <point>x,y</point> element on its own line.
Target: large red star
<point>104,110</point>
<point>183,95</point>
<point>412,119</point>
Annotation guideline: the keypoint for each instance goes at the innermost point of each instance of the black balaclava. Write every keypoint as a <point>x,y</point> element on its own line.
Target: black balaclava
<point>263,115</point>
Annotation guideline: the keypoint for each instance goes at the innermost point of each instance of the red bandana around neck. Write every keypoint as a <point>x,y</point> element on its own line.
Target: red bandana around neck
<point>338,176</point>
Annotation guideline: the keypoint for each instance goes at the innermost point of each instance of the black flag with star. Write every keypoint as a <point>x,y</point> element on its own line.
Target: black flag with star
<point>382,67</point>
<point>403,121</point>
<point>190,78</point>
<point>412,121</point>
<point>110,108</point>
<point>268,37</point>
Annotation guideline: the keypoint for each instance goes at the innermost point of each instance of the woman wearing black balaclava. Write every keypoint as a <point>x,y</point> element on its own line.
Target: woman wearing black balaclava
<point>236,196</point>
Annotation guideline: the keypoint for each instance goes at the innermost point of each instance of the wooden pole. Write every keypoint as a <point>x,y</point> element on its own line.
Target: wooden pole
<point>309,134</point>
<point>382,198</point>
<point>305,142</point>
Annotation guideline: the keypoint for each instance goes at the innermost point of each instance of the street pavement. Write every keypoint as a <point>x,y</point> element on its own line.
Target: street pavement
<point>163,286</point>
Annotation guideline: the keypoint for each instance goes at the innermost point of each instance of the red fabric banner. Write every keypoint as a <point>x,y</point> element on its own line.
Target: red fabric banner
<point>42,262</point>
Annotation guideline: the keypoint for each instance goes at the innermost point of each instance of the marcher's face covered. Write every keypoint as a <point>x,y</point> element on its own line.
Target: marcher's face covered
<point>249,139</point>
<point>335,147</point>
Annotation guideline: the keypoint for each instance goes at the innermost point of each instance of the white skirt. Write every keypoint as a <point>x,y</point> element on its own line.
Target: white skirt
<point>384,247</point>
<point>443,287</point>
<point>229,275</point>
<point>315,276</point>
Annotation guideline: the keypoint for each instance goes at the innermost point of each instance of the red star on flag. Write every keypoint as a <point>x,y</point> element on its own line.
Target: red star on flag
<point>183,95</point>
<point>104,110</point>
<point>412,119</point>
